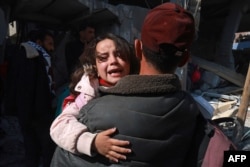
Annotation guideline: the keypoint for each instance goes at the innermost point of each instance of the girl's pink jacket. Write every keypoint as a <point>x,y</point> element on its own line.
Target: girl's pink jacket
<point>65,130</point>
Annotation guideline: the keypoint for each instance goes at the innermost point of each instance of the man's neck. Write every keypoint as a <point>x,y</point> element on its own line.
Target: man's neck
<point>148,69</point>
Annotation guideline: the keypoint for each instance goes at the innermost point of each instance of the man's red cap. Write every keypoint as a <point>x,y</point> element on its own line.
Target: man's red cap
<point>168,23</point>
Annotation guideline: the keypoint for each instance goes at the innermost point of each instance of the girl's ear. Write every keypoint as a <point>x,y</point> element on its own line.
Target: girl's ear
<point>138,48</point>
<point>184,59</point>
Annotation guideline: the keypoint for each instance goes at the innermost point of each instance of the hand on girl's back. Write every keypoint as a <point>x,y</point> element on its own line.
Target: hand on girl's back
<point>111,148</point>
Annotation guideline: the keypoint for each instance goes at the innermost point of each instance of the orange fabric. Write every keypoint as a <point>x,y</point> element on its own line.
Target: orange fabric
<point>69,99</point>
<point>104,83</point>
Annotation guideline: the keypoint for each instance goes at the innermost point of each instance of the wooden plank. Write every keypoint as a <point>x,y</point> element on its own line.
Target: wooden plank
<point>241,115</point>
<point>226,73</point>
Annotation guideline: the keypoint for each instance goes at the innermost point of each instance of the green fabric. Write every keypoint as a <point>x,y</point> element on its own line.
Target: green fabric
<point>60,100</point>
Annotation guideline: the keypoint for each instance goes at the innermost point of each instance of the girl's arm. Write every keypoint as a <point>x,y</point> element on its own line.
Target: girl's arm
<point>65,130</point>
<point>73,136</point>
<point>70,134</point>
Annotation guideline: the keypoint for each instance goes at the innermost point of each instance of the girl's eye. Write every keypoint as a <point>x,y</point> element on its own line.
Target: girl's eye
<point>101,58</point>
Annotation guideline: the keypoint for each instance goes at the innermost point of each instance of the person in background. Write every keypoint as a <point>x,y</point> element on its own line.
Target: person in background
<point>150,110</point>
<point>106,60</point>
<point>73,52</point>
<point>34,95</point>
<point>74,49</point>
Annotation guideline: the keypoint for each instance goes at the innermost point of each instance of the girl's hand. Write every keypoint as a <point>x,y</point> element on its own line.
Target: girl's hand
<point>113,149</point>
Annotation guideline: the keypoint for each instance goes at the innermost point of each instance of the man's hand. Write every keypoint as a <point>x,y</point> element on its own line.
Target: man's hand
<point>113,149</point>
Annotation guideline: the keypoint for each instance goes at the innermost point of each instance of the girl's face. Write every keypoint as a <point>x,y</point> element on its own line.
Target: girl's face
<point>111,66</point>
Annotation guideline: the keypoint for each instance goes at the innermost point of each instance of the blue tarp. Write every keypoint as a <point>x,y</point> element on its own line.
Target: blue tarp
<point>241,45</point>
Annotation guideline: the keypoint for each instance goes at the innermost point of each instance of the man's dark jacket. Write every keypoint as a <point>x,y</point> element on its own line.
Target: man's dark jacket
<point>29,91</point>
<point>151,112</point>
<point>31,98</point>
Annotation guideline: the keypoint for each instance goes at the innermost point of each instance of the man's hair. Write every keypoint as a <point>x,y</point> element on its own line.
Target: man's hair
<point>86,25</point>
<point>164,60</point>
<point>35,35</point>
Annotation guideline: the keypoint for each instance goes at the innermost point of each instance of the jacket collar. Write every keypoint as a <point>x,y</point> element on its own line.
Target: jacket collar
<point>145,84</point>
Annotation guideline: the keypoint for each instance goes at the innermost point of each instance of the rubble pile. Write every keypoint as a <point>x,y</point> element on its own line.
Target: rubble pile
<point>218,92</point>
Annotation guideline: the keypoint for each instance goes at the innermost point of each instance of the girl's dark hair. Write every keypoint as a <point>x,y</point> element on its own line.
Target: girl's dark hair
<point>86,58</point>
<point>89,57</point>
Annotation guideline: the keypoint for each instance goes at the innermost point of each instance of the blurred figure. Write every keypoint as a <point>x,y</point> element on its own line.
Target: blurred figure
<point>74,49</point>
<point>33,96</point>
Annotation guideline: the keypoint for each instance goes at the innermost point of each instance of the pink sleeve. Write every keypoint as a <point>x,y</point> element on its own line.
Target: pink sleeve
<point>70,134</point>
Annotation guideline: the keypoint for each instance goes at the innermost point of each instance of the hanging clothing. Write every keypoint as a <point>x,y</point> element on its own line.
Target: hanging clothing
<point>47,58</point>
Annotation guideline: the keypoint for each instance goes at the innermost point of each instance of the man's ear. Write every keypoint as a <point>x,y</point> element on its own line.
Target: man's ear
<point>184,59</point>
<point>138,48</point>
